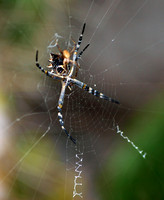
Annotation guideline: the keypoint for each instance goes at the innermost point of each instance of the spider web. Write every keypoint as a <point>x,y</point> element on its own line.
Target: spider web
<point>123,61</point>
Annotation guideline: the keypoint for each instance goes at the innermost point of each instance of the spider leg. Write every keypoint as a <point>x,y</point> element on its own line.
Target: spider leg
<point>93,91</point>
<point>80,54</point>
<point>73,49</point>
<point>80,39</point>
<point>60,116</point>
<point>59,49</point>
<point>76,72</point>
<point>76,49</point>
<point>75,63</point>
<point>77,67</point>
<point>50,74</point>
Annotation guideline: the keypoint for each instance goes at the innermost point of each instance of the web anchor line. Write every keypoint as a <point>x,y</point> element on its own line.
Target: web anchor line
<point>78,177</point>
<point>143,154</point>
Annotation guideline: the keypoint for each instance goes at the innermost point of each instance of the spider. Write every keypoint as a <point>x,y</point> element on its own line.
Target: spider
<point>62,68</point>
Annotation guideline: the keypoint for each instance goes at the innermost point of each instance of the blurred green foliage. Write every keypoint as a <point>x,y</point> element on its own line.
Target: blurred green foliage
<point>7,4</point>
<point>13,33</point>
<point>22,19</point>
<point>127,174</point>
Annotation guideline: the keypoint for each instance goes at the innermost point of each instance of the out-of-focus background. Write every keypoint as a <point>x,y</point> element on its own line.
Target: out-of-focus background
<point>125,61</point>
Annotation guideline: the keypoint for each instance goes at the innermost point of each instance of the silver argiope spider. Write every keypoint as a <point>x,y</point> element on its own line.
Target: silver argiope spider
<point>62,68</point>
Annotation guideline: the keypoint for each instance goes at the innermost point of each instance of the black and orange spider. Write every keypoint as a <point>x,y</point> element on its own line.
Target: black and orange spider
<point>62,68</point>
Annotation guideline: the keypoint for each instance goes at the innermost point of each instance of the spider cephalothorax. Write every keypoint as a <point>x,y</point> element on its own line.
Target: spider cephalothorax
<point>66,57</point>
<point>62,68</point>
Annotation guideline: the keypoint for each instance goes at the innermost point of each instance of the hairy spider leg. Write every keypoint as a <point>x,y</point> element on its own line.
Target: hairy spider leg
<point>93,91</point>
<point>60,116</point>
<point>50,74</point>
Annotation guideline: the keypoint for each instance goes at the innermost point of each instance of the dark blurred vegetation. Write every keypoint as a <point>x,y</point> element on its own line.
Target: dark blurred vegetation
<point>127,175</point>
<point>16,18</point>
<point>25,27</point>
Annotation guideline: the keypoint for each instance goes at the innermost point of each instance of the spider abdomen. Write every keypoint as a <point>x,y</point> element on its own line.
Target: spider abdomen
<point>60,69</point>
